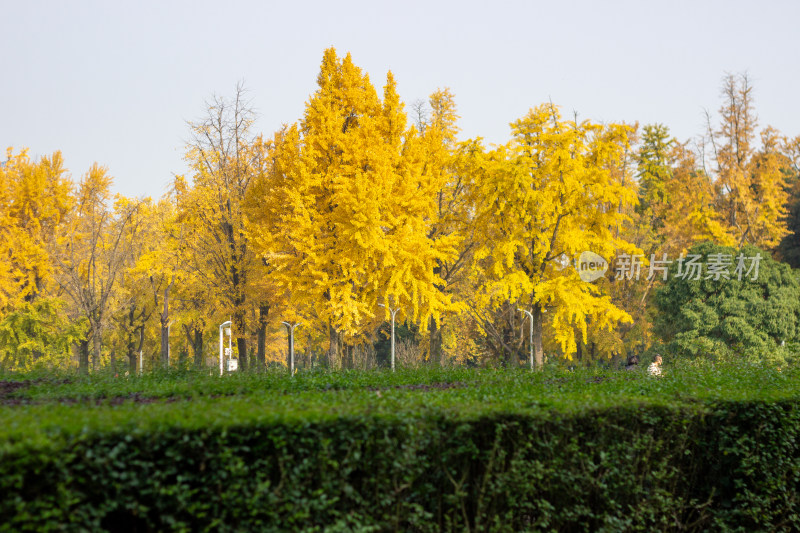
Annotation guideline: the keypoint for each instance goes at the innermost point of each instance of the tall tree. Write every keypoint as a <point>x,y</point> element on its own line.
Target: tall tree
<point>225,156</point>
<point>359,207</point>
<point>158,265</point>
<point>675,196</point>
<point>94,253</point>
<point>674,211</point>
<point>551,192</point>
<point>789,248</point>
<point>35,198</point>
<point>449,164</point>
<point>750,188</point>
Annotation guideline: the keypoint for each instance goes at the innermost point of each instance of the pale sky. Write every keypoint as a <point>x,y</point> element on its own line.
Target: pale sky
<point>116,82</point>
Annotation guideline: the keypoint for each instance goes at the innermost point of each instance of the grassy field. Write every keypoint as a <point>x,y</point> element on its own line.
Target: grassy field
<point>39,406</point>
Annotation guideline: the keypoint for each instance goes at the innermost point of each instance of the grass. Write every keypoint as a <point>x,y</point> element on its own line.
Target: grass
<point>65,407</point>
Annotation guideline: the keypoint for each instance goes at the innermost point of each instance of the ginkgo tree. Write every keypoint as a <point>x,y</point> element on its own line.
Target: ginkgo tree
<point>93,253</point>
<point>158,268</point>
<point>226,158</point>
<point>549,192</point>
<point>357,208</point>
<point>449,164</point>
<point>36,197</point>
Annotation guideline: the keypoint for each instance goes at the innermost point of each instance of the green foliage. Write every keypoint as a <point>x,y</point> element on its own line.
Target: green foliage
<point>730,317</point>
<point>788,250</point>
<point>654,169</point>
<point>703,448</point>
<point>37,335</point>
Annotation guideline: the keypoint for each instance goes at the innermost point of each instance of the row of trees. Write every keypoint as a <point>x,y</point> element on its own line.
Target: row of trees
<point>355,206</point>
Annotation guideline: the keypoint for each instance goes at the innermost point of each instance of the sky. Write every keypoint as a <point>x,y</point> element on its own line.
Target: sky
<point>116,82</point>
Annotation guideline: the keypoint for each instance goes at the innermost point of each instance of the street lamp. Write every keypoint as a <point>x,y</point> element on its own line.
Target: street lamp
<point>531,317</point>
<point>290,329</point>
<point>392,311</point>
<point>227,327</point>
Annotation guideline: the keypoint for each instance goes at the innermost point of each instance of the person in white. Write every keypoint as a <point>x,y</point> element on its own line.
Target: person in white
<point>655,367</point>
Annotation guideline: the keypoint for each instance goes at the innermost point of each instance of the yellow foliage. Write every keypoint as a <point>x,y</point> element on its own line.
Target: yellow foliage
<point>210,239</point>
<point>34,199</point>
<point>549,192</point>
<point>750,188</point>
<point>357,206</point>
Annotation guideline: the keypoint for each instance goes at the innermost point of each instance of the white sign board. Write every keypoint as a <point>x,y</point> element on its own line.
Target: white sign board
<point>233,364</point>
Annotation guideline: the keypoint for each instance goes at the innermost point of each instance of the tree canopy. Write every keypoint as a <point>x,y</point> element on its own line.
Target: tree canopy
<point>742,302</point>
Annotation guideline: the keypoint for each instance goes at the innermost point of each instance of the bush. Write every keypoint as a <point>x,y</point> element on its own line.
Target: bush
<point>724,318</point>
<point>696,450</point>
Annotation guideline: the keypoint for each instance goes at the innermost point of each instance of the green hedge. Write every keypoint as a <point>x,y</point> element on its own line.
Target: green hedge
<point>641,466</point>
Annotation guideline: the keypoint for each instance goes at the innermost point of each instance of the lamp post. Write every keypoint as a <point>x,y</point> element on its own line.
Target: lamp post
<point>531,317</point>
<point>393,312</point>
<point>290,329</point>
<point>224,325</point>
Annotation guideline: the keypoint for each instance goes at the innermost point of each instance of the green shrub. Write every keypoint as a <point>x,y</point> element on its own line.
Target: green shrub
<point>700,449</point>
<point>733,315</point>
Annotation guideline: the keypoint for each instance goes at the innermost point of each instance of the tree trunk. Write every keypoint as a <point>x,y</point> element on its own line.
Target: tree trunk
<point>164,343</point>
<point>197,347</point>
<point>182,356</point>
<point>538,350</point>
<point>240,322</point>
<point>133,354</point>
<point>436,354</point>
<point>96,346</point>
<point>509,356</point>
<point>333,348</point>
<point>165,327</point>
<point>261,355</point>
<point>347,356</point>
<point>194,336</point>
<point>130,347</point>
<point>83,356</point>
<point>241,348</point>
<point>510,353</point>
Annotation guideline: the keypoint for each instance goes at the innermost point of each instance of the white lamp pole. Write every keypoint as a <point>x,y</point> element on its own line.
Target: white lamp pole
<point>392,311</point>
<point>290,329</point>
<point>226,324</point>
<point>531,317</point>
